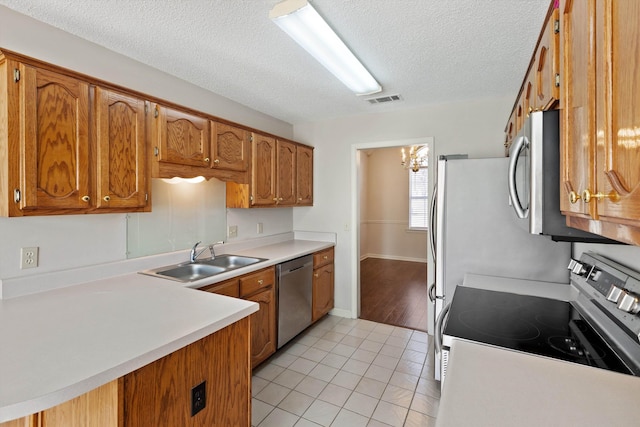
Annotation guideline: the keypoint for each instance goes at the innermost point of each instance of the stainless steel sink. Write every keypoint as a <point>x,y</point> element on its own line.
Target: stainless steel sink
<point>229,262</point>
<point>202,268</point>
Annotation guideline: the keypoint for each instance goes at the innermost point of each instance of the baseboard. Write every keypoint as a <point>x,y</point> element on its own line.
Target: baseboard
<point>394,258</point>
<point>341,313</point>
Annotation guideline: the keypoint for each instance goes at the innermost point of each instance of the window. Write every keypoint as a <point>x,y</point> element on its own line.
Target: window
<point>418,204</point>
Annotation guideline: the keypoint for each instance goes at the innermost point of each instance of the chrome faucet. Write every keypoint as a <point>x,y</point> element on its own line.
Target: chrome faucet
<point>211,248</point>
<point>193,255</point>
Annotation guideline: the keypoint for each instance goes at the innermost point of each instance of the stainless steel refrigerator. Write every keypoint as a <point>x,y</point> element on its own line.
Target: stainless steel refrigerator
<point>474,230</point>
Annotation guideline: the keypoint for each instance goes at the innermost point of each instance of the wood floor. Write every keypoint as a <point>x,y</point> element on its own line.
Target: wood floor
<point>394,292</point>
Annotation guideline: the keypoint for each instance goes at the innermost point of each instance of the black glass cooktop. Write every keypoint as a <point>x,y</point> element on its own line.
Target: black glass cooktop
<point>529,324</point>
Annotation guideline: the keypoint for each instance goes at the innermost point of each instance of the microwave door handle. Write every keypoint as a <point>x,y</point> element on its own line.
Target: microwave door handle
<point>519,145</point>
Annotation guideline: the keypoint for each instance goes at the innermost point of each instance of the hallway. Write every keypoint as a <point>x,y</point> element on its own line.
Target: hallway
<point>394,292</point>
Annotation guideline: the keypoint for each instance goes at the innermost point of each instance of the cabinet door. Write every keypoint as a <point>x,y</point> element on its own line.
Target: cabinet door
<point>54,140</point>
<point>528,94</point>
<point>121,154</point>
<point>230,288</point>
<point>578,115</point>
<point>286,183</point>
<point>304,175</point>
<point>229,147</point>
<point>263,326</point>
<point>510,131</point>
<point>322,291</point>
<point>546,66</point>
<point>619,86</point>
<point>182,138</point>
<point>263,177</point>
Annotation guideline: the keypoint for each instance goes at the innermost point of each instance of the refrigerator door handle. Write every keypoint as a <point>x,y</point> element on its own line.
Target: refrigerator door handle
<point>431,293</point>
<point>432,234</point>
<point>439,329</point>
<point>519,145</point>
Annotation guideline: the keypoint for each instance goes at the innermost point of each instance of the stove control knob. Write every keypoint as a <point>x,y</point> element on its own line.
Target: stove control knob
<point>629,303</point>
<point>614,294</point>
<point>578,268</point>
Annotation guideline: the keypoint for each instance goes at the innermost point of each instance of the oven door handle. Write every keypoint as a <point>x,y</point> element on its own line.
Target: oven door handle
<point>439,329</point>
<point>519,145</point>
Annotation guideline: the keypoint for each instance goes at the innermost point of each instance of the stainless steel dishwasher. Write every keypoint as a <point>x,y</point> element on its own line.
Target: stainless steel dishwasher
<point>294,288</point>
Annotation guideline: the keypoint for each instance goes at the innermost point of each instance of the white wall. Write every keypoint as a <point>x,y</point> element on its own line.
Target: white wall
<point>384,214</point>
<point>473,127</point>
<point>80,240</point>
<point>274,221</point>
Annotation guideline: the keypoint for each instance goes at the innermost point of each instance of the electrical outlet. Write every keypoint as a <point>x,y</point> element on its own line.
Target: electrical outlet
<point>198,398</point>
<point>28,257</point>
<point>259,231</point>
<point>233,231</point>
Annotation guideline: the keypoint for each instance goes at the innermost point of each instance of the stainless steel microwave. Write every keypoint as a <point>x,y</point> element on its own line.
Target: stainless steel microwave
<point>534,179</point>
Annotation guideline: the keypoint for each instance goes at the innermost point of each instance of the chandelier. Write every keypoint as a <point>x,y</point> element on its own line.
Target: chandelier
<point>417,158</point>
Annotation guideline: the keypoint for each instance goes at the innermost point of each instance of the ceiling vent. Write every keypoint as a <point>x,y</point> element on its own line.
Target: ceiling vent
<point>384,99</point>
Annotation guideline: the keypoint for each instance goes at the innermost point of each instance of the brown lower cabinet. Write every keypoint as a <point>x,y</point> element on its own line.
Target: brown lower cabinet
<point>258,287</point>
<point>159,394</point>
<point>323,283</point>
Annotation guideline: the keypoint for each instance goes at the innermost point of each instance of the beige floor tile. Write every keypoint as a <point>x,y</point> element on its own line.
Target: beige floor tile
<point>334,360</point>
<point>279,418</point>
<point>361,404</point>
<point>273,394</point>
<point>347,418</point>
<point>398,396</point>
<point>296,403</point>
<point>335,394</point>
<point>311,386</point>
<point>371,387</point>
<point>391,414</point>
<point>416,419</point>
<point>321,412</point>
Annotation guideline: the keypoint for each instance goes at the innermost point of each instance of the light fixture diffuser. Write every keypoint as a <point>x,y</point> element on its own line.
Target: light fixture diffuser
<point>303,24</point>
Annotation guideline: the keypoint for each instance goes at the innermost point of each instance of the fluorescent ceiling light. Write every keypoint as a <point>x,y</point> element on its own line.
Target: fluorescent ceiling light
<point>303,24</point>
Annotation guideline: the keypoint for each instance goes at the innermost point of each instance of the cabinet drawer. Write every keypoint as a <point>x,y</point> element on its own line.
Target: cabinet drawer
<point>256,281</point>
<point>323,257</point>
<point>230,288</point>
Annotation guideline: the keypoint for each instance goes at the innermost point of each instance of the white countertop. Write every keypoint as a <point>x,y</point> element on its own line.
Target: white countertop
<point>60,343</point>
<point>488,386</point>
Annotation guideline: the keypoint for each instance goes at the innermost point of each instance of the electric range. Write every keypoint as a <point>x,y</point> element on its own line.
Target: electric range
<point>599,327</point>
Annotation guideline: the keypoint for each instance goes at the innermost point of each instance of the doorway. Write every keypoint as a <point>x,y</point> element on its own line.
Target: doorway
<point>391,275</point>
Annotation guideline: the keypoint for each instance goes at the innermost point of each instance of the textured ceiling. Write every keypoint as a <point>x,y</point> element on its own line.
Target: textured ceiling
<point>428,51</point>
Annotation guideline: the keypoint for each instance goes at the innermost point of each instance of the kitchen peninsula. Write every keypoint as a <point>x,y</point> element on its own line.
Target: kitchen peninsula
<point>136,344</point>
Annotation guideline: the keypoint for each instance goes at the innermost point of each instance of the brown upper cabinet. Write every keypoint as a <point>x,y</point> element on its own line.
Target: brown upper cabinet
<point>70,144</point>
<point>67,146</point>
<point>181,138</point>
<point>230,147</point>
<point>286,172</point>
<point>187,145</point>
<point>304,175</point>
<point>546,67</point>
<point>281,175</point>
<point>600,154</point>
<point>121,150</point>
<point>263,175</point>
<point>540,86</point>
